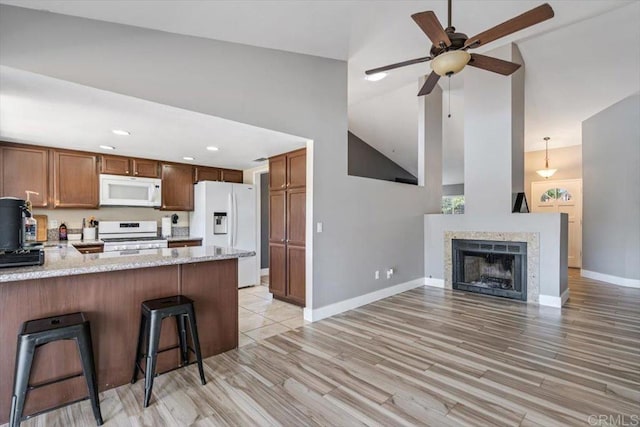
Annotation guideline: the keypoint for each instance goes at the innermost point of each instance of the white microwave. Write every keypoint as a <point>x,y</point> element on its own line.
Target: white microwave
<point>118,190</point>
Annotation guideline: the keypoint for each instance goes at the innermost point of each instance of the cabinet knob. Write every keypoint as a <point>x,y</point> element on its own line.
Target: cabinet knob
<point>127,172</point>
<point>135,173</point>
<point>282,240</point>
<point>282,186</point>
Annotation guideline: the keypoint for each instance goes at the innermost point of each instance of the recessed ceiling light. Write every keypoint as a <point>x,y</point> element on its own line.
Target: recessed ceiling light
<point>107,147</point>
<point>212,148</point>
<point>121,132</point>
<point>189,158</point>
<point>375,77</point>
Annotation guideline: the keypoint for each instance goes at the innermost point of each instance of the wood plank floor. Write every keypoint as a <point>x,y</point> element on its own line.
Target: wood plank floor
<point>424,357</point>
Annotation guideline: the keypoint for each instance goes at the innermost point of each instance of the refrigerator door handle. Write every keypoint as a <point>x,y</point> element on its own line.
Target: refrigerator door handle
<point>232,220</point>
<point>235,221</point>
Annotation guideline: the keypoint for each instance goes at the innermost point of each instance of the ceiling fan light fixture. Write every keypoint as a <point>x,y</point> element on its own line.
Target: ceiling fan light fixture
<point>375,77</point>
<point>451,62</point>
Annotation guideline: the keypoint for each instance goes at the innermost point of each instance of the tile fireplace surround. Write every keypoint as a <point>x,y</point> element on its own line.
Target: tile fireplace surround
<point>533,255</point>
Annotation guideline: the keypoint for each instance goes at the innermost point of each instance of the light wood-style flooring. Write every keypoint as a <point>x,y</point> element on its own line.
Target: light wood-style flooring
<point>423,357</point>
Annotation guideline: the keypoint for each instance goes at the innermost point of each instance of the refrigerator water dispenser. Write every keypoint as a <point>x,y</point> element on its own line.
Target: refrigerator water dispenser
<point>219,223</point>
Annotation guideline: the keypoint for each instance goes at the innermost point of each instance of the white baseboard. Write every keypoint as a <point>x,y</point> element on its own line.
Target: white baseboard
<point>313,315</point>
<point>615,280</point>
<point>264,271</point>
<point>551,301</point>
<point>436,283</point>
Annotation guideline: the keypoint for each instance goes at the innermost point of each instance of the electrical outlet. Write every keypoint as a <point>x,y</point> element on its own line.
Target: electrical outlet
<point>53,223</point>
<point>389,273</point>
<point>319,227</point>
<point>377,275</point>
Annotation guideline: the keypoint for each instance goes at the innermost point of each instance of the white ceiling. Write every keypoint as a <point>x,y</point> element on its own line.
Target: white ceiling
<point>39,109</point>
<point>567,78</point>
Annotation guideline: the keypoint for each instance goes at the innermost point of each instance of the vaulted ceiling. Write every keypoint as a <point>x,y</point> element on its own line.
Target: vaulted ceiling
<point>575,63</point>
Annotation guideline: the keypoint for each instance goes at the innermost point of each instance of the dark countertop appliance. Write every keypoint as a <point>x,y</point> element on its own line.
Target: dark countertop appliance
<point>13,250</point>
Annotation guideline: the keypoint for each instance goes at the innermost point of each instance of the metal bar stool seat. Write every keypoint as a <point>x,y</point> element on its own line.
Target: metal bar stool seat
<point>153,311</point>
<point>36,333</point>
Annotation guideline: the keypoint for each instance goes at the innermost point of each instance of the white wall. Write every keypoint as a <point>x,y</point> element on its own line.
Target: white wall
<point>368,224</point>
<point>493,168</point>
<point>611,189</point>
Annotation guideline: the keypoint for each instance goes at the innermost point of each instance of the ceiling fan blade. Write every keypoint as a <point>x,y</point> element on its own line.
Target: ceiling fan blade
<point>428,86</point>
<point>520,22</point>
<point>428,22</point>
<point>397,65</point>
<point>495,65</point>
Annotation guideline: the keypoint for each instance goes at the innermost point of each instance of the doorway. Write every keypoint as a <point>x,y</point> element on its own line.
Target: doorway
<point>563,196</point>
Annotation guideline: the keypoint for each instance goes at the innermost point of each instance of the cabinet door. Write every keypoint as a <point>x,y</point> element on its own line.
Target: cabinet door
<point>177,187</point>
<point>296,274</point>
<point>184,243</point>
<point>207,174</point>
<point>231,175</point>
<point>277,217</point>
<point>297,169</point>
<point>278,172</point>
<point>75,180</point>
<point>277,270</point>
<point>296,214</point>
<point>23,169</point>
<point>145,168</point>
<point>115,165</point>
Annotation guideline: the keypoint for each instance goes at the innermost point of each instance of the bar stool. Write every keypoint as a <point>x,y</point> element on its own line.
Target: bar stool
<point>153,311</point>
<point>36,333</point>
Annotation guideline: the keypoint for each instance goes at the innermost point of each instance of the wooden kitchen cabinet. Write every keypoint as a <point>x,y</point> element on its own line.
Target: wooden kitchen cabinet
<point>204,173</point>
<point>231,175</point>
<point>177,187</point>
<point>278,172</point>
<point>89,249</point>
<point>184,243</point>
<point>287,226</point>
<point>118,165</point>
<point>145,168</point>
<point>297,169</point>
<point>75,179</point>
<point>25,169</point>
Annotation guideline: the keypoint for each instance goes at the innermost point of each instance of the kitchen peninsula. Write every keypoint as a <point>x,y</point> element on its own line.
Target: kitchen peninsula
<point>109,289</point>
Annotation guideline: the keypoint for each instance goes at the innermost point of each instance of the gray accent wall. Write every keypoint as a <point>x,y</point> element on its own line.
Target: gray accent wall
<point>264,220</point>
<point>611,190</point>
<point>368,224</point>
<point>367,162</point>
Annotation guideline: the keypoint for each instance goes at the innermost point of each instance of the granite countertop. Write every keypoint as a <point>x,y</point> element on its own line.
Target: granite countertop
<point>95,242</point>
<point>65,260</point>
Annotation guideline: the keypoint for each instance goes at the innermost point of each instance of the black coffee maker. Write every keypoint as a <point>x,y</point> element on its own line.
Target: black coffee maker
<point>13,251</point>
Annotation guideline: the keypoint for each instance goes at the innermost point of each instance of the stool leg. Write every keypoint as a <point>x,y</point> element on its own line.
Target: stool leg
<point>141,337</point>
<point>152,355</point>
<point>24,358</point>
<point>85,347</point>
<point>182,338</point>
<point>196,342</point>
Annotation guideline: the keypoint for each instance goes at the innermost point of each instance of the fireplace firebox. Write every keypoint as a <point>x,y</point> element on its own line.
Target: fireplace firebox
<point>490,267</point>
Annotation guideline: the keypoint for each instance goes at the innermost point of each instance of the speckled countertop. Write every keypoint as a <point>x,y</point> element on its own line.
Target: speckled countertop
<point>65,260</point>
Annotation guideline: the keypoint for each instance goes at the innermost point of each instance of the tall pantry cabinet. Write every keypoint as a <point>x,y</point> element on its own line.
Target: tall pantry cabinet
<point>287,225</point>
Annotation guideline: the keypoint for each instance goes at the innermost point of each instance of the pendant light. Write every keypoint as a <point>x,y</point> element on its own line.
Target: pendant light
<point>546,173</point>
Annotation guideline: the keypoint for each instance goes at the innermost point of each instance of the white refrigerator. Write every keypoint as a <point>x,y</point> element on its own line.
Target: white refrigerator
<point>225,215</point>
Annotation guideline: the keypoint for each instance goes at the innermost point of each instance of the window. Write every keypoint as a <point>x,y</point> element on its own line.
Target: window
<point>555,194</point>
<point>453,204</point>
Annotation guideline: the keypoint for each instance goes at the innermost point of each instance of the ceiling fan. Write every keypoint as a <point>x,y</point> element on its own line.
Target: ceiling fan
<point>449,49</point>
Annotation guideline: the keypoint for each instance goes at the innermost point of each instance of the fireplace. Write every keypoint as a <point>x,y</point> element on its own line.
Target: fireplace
<point>490,267</point>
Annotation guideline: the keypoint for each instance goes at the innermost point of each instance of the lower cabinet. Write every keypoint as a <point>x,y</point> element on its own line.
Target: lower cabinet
<point>278,270</point>
<point>184,243</point>
<point>89,249</point>
<point>296,274</point>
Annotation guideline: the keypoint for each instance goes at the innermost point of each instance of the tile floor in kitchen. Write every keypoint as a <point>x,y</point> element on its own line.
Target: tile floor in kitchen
<point>260,316</point>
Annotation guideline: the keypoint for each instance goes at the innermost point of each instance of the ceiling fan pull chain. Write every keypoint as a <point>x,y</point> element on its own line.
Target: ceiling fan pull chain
<point>449,107</point>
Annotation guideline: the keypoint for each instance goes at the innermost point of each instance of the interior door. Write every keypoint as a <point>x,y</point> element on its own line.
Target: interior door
<point>563,196</point>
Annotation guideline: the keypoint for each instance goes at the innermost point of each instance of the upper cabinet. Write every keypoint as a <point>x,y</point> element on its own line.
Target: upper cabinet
<point>204,173</point>
<point>75,179</point>
<point>118,165</point>
<point>297,169</point>
<point>231,175</point>
<point>288,170</point>
<point>278,172</point>
<point>25,169</point>
<point>177,187</point>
